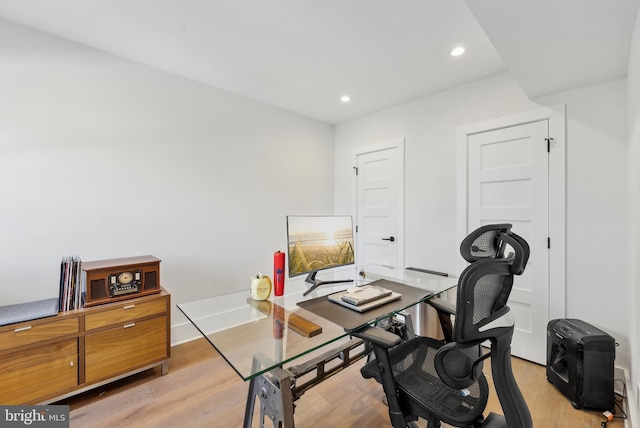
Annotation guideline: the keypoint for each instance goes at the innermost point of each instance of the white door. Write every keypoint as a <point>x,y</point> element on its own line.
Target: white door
<point>379,206</point>
<point>508,182</point>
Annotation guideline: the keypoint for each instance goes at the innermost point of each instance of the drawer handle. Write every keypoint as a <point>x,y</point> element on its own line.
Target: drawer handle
<point>22,329</point>
<point>129,325</point>
<point>129,307</point>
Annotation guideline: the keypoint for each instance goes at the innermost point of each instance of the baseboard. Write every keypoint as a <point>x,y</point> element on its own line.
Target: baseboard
<point>630,398</point>
<point>619,376</point>
<point>183,333</point>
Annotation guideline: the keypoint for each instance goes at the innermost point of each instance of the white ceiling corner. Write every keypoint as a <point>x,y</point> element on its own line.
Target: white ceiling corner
<point>550,45</point>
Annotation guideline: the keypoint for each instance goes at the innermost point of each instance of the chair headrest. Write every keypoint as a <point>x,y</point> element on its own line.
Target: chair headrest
<point>484,243</point>
<point>521,248</point>
<point>489,242</point>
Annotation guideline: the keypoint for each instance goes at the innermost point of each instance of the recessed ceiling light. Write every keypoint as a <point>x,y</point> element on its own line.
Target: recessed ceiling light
<point>345,98</point>
<point>457,51</point>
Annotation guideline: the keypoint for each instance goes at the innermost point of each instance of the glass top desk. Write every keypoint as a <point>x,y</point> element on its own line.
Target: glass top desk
<point>259,339</point>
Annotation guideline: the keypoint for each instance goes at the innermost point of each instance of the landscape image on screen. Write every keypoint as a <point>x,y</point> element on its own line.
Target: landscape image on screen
<point>320,242</point>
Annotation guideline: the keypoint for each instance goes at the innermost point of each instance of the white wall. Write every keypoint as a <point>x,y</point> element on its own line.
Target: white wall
<point>596,193</point>
<point>634,214</point>
<point>596,168</point>
<point>106,158</point>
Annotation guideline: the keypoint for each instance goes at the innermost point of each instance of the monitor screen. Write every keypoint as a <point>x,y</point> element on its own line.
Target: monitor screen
<point>319,242</point>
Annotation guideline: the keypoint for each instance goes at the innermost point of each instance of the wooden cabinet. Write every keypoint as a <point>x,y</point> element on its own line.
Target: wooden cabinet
<point>52,358</point>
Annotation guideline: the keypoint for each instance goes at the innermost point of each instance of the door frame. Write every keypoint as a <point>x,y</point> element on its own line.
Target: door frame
<point>397,144</point>
<point>557,164</point>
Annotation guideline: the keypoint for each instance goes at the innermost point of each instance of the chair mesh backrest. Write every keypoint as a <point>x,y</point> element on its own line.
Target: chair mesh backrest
<point>486,295</point>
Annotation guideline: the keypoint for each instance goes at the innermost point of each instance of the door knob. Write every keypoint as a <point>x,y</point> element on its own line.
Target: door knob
<point>391,238</point>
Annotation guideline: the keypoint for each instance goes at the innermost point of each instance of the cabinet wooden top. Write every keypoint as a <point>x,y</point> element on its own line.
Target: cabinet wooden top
<point>121,262</point>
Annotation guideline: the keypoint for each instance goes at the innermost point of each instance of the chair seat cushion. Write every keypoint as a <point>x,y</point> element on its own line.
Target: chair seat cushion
<point>415,374</point>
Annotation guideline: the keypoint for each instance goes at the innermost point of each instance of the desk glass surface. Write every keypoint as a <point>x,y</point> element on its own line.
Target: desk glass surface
<point>240,331</point>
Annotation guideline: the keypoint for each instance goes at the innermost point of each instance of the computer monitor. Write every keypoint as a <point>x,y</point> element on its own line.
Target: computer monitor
<point>317,243</point>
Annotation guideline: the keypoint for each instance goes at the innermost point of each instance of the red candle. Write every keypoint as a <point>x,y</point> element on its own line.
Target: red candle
<point>278,273</point>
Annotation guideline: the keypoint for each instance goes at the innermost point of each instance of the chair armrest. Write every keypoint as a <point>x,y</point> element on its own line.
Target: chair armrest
<point>442,305</point>
<point>380,368</point>
<point>378,336</point>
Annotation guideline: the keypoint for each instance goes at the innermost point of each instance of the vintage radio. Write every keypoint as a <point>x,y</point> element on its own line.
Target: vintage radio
<point>119,279</point>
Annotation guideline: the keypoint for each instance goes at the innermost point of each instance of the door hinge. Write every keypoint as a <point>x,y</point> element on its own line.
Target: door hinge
<point>356,228</point>
<point>548,242</point>
<point>355,169</point>
<point>549,140</point>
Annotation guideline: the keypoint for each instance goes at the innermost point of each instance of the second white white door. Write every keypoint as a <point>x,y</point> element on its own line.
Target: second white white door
<point>379,207</point>
<point>508,182</point>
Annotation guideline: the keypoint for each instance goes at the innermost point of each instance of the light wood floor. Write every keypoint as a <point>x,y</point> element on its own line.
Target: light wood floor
<point>201,390</point>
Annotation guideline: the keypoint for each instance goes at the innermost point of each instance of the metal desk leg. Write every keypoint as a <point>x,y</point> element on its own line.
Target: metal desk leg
<point>277,389</point>
<point>421,318</point>
<point>276,400</point>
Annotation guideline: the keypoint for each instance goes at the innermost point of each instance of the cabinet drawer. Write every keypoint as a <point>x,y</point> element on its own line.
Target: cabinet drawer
<point>127,347</point>
<point>27,333</point>
<point>35,373</point>
<point>125,312</point>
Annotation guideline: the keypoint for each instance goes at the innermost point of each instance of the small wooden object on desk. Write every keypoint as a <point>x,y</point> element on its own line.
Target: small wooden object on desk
<point>44,360</point>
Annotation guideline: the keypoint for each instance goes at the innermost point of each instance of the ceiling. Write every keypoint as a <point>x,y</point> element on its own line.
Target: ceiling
<point>303,55</point>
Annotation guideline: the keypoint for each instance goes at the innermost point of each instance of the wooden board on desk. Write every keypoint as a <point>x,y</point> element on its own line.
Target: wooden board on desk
<point>294,321</point>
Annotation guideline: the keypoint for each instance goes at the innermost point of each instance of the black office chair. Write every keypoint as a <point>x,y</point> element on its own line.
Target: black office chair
<point>442,380</point>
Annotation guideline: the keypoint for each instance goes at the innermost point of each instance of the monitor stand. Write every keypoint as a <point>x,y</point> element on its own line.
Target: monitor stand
<point>315,283</point>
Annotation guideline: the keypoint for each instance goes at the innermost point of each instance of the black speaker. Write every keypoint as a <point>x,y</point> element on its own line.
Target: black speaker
<point>98,289</point>
<point>150,280</point>
<point>580,363</point>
